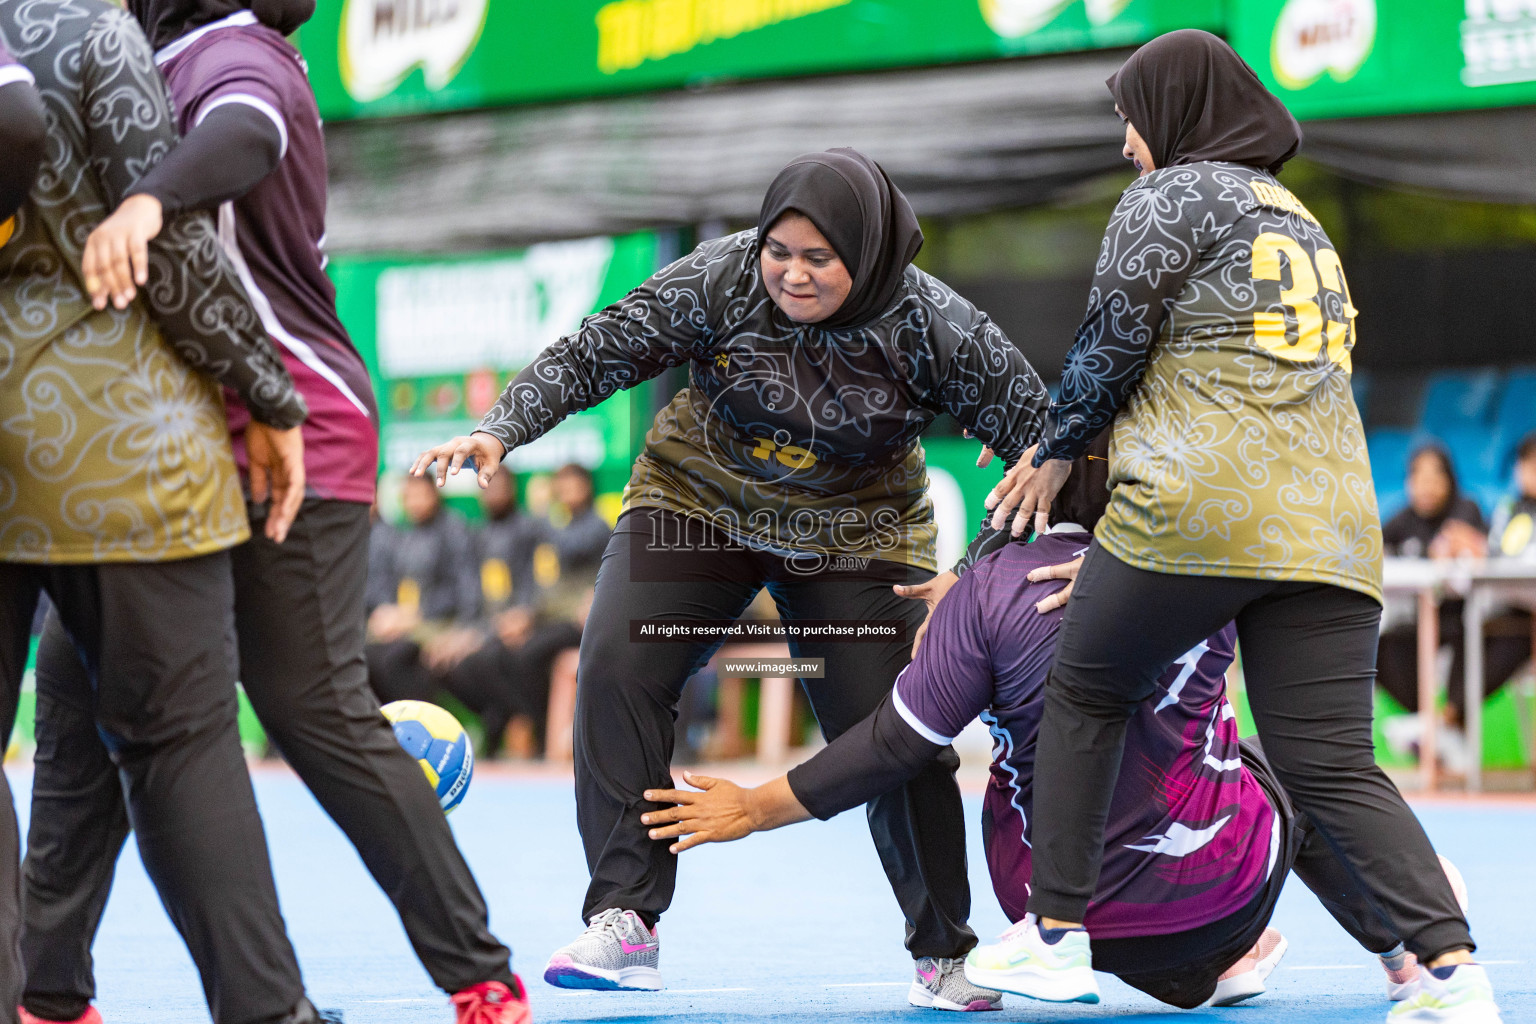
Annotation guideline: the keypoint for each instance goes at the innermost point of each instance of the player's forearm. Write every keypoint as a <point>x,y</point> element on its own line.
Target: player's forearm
<point>23,138</point>
<point>774,805</point>
<point>208,320</point>
<point>874,757</point>
<point>221,159</point>
<point>1126,307</point>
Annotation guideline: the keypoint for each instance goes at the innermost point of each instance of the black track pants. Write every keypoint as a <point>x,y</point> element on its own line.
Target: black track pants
<point>626,705</point>
<point>300,621</point>
<point>160,690</point>
<point>1309,657</point>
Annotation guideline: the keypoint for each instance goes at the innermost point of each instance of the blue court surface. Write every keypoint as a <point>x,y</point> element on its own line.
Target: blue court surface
<point>786,927</point>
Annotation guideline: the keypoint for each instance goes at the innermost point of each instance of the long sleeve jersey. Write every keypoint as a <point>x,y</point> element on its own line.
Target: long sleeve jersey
<point>111,447</point>
<point>274,234</point>
<point>1218,339</point>
<point>1191,836</point>
<point>23,136</point>
<point>788,437</point>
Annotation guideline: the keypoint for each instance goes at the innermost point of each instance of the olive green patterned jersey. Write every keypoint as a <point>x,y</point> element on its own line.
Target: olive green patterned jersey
<point>1218,337</point>
<point>788,437</point>
<point>113,444</point>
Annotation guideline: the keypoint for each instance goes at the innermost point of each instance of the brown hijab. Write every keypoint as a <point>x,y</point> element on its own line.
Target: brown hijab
<point>1192,98</point>
<point>866,218</point>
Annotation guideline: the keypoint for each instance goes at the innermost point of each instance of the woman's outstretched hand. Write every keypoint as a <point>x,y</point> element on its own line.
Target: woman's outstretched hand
<point>721,812</point>
<point>484,448</point>
<point>1064,571</point>
<point>1028,489</point>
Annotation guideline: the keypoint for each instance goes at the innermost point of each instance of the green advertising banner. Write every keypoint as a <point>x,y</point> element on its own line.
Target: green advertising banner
<point>442,337</point>
<point>1340,58</point>
<point>385,57</point>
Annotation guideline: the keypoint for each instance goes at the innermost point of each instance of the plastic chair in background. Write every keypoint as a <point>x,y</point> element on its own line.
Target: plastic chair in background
<point>1459,397</point>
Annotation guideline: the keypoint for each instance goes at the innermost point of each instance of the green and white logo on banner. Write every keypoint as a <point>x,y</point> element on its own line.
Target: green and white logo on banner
<point>1344,58</point>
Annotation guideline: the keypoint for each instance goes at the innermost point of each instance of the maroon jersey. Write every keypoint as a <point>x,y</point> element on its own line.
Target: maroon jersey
<point>1191,837</point>
<point>274,234</point>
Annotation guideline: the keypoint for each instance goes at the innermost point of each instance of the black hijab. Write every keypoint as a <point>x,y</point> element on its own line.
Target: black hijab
<point>1192,98</point>
<point>166,21</point>
<point>1085,496</point>
<point>866,218</point>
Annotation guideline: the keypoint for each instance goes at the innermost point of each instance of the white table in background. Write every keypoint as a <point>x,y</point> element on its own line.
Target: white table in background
<point>1480,584</point>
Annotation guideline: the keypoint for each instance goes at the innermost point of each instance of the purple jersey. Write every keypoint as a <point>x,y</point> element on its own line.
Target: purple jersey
<point>1191,836</point>
<point>274,235</point>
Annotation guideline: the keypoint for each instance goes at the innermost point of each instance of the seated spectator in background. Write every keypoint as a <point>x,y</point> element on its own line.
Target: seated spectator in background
<point>1443,523</point>
<point>504,547</point>
<point>424,580</point>
<point>501,670</point>
<point>506,679</point>
<point>578,535</point>
<point>1440,521</point>
<point>466,617</point>
<point>1514,524</point>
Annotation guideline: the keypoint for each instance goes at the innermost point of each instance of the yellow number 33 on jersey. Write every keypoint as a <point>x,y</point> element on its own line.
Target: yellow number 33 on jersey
<point>1301,298</point>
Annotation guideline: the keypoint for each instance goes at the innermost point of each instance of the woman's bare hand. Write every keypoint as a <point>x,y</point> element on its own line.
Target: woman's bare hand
<point>115,262</point>
<point>484,449</point>
<point>276,462</point>
<point>1030,490</point>
<point>720,813</point>
<point>931,593</point>
<point>1062,571</point>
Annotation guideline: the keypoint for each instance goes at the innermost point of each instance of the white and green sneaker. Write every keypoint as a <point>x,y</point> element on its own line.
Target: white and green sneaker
<point>1057,968</point>
<point>1466,997</point>
<point>940,984</point>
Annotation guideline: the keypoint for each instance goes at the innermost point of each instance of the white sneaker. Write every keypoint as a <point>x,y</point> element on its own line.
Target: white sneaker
<point>617,951</point>
<point>1466,997</point>
<point>1245,979</point>
<point>1403,979</point>
<point>941,984</point>
<point>1025,962</point>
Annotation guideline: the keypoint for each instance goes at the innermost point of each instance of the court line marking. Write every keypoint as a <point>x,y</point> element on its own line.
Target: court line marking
<point>412,999</point>
<point>696,991</point>
<point>1328,967</point>
<point>867,984</point>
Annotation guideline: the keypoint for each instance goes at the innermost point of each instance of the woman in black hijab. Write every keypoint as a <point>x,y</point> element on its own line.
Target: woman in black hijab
<point>817,357</point>
<point>1217,341</point>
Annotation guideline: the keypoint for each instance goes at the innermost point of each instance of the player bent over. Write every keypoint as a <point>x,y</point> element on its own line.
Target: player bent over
<point>1200,835</point>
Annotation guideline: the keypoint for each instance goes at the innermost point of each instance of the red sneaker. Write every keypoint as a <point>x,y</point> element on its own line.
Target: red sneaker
<point>90,1016</point>
<point>491,1002</point>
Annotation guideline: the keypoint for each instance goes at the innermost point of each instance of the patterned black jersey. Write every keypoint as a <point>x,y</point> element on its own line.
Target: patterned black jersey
<point>1219,328</point>
<point>789,437</point>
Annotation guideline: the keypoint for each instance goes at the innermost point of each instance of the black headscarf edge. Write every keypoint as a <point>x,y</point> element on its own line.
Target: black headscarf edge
<point>165,21</point>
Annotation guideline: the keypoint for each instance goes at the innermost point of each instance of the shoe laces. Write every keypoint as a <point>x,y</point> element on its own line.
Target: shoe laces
<point>945,964</point>
<point>613,920</point>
